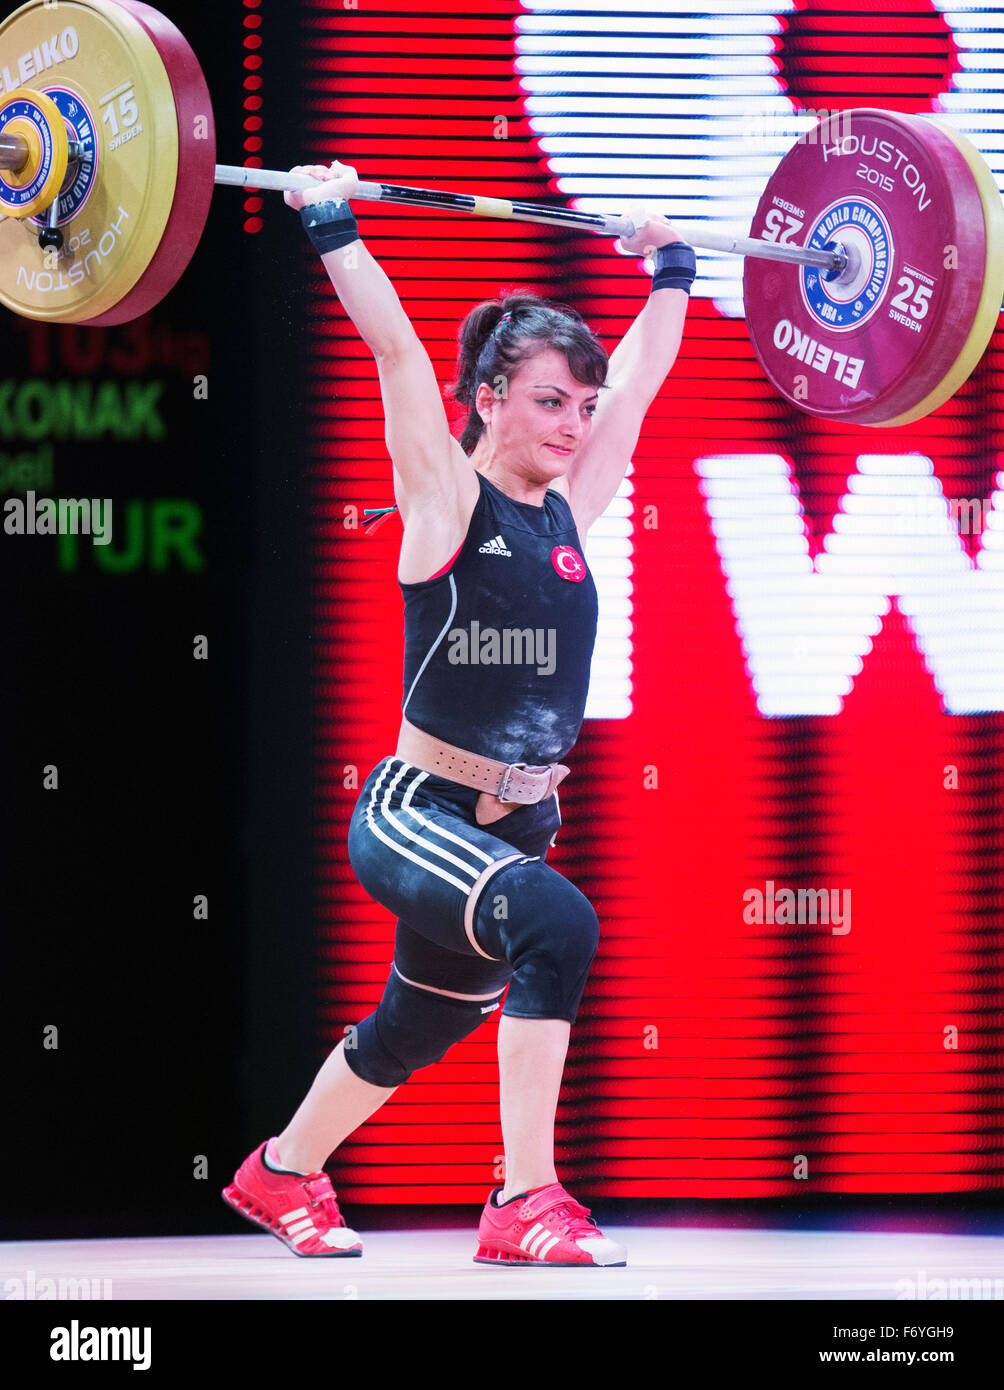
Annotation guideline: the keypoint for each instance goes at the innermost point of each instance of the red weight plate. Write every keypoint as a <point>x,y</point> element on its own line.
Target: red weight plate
<point>196,168</point>
<point>869,345</point>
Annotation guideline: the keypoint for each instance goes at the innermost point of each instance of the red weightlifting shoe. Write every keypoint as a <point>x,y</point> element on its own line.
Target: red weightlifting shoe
<point>301,1212</point>
<point>547,1227</point>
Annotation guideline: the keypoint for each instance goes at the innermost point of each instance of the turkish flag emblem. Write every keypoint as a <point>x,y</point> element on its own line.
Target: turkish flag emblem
<point>568,563</point>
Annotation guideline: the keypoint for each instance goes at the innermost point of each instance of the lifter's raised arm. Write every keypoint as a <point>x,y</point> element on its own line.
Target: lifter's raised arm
<point>638,367</point>
<point>427,459</point>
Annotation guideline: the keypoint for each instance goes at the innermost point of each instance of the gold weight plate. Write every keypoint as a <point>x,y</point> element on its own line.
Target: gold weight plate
<point>102,69</point>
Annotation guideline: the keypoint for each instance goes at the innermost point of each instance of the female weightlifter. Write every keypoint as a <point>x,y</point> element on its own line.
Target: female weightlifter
<point>451,832</point>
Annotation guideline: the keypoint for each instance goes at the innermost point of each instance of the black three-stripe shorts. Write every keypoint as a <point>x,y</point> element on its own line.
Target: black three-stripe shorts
<point>416,847</point>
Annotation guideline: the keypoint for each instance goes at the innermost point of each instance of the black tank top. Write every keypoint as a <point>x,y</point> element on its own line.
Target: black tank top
<point>497,649</point>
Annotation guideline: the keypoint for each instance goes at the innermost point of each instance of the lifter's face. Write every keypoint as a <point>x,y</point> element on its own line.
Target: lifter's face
<point>544,418</point>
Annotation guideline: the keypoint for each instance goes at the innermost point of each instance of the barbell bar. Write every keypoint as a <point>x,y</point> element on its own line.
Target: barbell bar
<point>14,152</point>
<point>874,267</point>
<point>606,224</point>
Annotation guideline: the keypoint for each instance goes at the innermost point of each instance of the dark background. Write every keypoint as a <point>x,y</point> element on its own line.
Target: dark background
<point>177,1037</point>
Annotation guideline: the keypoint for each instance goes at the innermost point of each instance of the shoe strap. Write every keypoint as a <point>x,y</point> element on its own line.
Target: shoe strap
<point>325,1193</point>
<point>552,1197</point>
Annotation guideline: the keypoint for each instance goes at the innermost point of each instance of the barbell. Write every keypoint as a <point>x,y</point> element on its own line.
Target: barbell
<point>874,268</point>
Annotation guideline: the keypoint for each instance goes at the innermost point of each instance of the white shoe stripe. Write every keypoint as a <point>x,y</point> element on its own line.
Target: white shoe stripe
<point>535,1244</point>
<point>305,1234</point>
<point>292,1215</point>
<point>439,829</point>
<point>305,1224</point>
<point>533,1231</point>
<point>407,853</point>
<point>542,1253</point>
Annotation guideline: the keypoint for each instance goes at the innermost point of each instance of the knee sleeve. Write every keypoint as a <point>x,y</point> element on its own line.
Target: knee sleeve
<point>411,1028</point>
<point>418,958</point>
<point>532,917</point>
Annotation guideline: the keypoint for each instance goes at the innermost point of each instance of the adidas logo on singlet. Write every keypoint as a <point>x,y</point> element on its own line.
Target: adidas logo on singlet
<point>496,546</point>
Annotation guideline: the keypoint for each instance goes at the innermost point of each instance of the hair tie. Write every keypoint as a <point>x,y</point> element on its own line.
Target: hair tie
<point>506,315</point>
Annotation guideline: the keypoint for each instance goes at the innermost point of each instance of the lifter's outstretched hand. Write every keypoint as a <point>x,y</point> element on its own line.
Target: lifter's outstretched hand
<point>340,181</point>
<point>651,230</point>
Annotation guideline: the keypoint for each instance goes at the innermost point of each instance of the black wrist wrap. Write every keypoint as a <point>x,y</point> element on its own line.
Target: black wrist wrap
<point>675,267</point>
<point>330,225</point>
